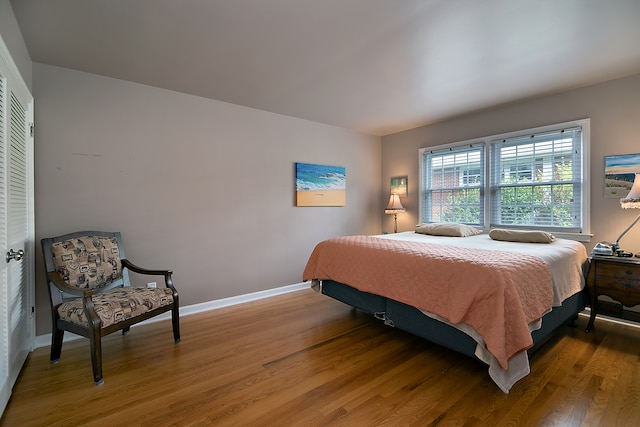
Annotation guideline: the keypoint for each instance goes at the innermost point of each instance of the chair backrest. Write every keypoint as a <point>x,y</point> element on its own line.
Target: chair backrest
<point>86,259</point>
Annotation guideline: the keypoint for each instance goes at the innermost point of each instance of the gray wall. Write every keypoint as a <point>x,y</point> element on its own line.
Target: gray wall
<point>202,187</point>
<point>12,38</point>
<point>614,109</point>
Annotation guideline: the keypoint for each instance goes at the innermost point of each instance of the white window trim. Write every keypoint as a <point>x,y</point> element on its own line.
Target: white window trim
<point>585,203</point>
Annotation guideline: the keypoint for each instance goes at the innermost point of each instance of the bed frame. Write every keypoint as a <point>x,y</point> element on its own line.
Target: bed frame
<point>410,319</point>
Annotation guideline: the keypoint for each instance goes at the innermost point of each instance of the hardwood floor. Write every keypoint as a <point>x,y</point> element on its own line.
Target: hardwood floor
<point>305,359</point>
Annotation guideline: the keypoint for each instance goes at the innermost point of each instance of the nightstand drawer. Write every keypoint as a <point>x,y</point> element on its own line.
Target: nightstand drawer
<point>621,281</point>
<point>617,271</point>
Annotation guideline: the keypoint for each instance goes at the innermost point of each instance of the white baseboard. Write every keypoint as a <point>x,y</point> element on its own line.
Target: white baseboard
<point>605,318</point>
<point>45,340</point>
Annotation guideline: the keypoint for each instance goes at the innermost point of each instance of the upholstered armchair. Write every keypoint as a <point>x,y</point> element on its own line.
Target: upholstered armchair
<point>88,282</point>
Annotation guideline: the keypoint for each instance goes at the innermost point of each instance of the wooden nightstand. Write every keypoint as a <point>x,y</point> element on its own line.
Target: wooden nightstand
<point>617,278</point>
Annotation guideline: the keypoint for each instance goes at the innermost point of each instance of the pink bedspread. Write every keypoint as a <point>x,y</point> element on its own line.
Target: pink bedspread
<point>495,292</point>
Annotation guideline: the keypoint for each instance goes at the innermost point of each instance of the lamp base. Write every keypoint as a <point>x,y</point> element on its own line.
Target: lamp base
<point>616,246</point>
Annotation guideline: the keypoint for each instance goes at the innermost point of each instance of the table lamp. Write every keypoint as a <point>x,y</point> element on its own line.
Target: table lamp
<point>632,201</point>
<point>394,207</point>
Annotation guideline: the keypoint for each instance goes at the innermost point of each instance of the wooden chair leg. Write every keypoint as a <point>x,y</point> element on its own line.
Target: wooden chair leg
<point>175,321</point>
<point>96,358</point>
<point>56,344</point>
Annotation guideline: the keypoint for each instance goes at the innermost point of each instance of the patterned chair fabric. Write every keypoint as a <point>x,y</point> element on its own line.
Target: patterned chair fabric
<point>87,262</point>
<point>116,305</point>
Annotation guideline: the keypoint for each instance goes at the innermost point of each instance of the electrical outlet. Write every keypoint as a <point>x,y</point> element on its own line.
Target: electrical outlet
<point>151,285</point>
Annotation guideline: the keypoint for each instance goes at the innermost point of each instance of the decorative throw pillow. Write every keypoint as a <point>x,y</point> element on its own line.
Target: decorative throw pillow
<point>523,236</point>
<point>450,229</point>
<point>87,262</point>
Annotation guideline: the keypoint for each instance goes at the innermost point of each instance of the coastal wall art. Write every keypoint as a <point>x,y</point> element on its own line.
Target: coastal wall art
<point>619,173</point>
<point>320,185</point>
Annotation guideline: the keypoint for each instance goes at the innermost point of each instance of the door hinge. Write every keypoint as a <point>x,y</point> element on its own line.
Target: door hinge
<point>31,130</point>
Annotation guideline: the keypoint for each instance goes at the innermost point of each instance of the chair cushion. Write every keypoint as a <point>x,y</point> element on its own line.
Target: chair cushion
<point>117,305</point>
<point>87,262</point>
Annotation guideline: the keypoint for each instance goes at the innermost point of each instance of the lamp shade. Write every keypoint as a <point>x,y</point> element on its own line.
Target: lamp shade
<point>394,205</point>
<point>632,201</point>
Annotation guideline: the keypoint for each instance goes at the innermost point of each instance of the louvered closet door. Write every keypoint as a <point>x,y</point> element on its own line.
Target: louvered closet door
<point>16,226</point>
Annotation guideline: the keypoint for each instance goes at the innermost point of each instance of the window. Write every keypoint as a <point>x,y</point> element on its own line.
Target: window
<point>531,179</point>
<point>537,180</point>
<point>454,185</point>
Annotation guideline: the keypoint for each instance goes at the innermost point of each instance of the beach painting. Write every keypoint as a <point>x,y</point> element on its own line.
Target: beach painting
<point>619,173</point>
<point>319,185</point>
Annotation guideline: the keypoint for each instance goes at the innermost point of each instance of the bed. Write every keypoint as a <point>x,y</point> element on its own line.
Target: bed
<point>489,299</point>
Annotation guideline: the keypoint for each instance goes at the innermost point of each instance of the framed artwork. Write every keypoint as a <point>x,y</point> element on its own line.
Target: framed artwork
<point>399,186</point>
<point>619,173</point>
<point>320,185</point>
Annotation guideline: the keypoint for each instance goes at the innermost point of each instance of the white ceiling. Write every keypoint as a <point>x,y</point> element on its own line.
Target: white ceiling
<point>375,66</point>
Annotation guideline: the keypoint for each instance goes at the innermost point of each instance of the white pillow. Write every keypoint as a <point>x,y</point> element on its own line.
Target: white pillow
<point>450,229</point>
<point>524,236</point>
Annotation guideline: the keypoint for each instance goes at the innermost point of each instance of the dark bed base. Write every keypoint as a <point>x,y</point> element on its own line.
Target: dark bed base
<point>412,320</point>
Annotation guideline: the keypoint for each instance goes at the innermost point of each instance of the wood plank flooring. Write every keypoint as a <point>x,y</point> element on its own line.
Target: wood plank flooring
<point>304,359</point>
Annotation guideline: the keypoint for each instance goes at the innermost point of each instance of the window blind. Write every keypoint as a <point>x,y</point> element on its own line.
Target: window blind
<point>536,181</point>
<point>453,182</point>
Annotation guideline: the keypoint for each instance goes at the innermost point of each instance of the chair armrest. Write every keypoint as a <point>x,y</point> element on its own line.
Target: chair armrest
<point>58,282</point>
<point>131,266</point>
<point>85,294</point>
<point>166,273</point>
